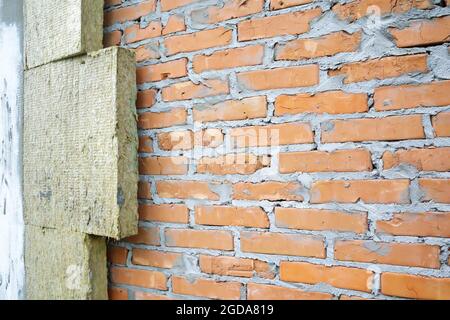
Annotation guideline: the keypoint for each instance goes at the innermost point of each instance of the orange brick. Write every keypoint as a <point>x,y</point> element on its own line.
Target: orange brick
<point>360,8</point>
<point>206,239</point>
<point>147,51</point>
<point>197,41</point>
<point>150,296</point>
<point>230,10</point>
<point>163,165</point>
<point>189,90</point>
<point>206,288</point>
<point>248,108</point>
<point>157,259</point>
<point>230,58</point>
<point>435,190</point>
<point>257,291</point>
<point>171,213</point>
<point>144,191</point>
<point>427,224</point>
<point>154,120</point>
<point>175,23</point>
<point>327,45</point>
<point>139,278</point>
<point>377,129</point>
<point>187,189</point>
<point>441,124</point>
<point>145,144</point>
<point>211,138</point>
<point>167,5</point>
<point>382,68</point>
<point>403,254</point>
<point>117,293</point>
<point>109,3</point>
<point>271,190</point>
<point>162,71</point>
<point>176,140</point>
<point>434,94</point>
<point>146,98</point>
<point>148,236</point>
<point>283,24</point>
<point>111,39</point>
<point>291,77</point>
<point>367,191</point>
<point>320,220</point>
<point>430,159</point>
<point>132,12</point>
<point>272,135</point>
<point>346,297</point>
<point>322,161</point>
<point>336,276</point>
<point>414,286</point>
<point>241,163</point>
<point>117,255</point>
<point>135,33</point>
<point>420,33</point>
<point>283,244</point>
<point>281,4</point>
<point>231,216</point>
<point>236,267</point>
<point>332,102</point>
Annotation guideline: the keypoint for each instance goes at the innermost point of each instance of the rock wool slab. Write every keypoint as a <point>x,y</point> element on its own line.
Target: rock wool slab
<point>60,29</point>
<point>80,144</point>
<point>64,265</point>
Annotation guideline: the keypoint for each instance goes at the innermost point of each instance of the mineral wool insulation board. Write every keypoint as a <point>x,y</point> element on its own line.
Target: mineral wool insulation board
<point>58,29</point>
<point>80,144</point>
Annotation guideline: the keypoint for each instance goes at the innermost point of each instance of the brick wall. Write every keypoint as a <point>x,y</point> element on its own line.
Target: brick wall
<point>289,149</point>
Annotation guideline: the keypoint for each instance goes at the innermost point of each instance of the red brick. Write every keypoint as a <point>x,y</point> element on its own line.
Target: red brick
<point>229,58</point>
<point>231,216</point>
<point>320,220</point>
<point>130,12</point>
<point>367,191</point>
<point>270,190</point>
<point>139,295</point>
<point>145,144</point>
<point>441,124</point>
<point>189,90</point>
<point>257,291</point>
<point>146,98</point>
<point>427,224</point>
<point>135,33</point>
<point>148,236</point>
<point>403,254</point>
<point>434,94</point>
<point>415,286</point>
<point>144,191</point>
<point>375,129</point>
<point>139,278</point>
<point>230,10</point>
<point>327,45</point>
<point>322,161</point>
<point>283,244</point>
<point>117,255</point>
<point>206,288</point>
<point>176,140</point>
<point>430,159</point>
<point>117,293</point>
<point>157,259</point>
<point>163,165</point>
<point>170,213</point>
<point>381,68</point>
<point>236,267</point>
<point>154,120</point>
<point>206,239</point>
<point>339,277</point>
<point>290,77</point>
<point>111,39</point>
<point>435,190</point>
<point>283,24</point>
<point>240,163</point>
<point>162,71</point>
<point>187,189</point>
<point>272,135</point>
<point>197,41</point>
<point>281,4</point>
<point>331,102</point>
<point>423,33</point>
<point>174,23</point>
<point>148,51</point>
<point>248,108</point>
<point>167,5</point>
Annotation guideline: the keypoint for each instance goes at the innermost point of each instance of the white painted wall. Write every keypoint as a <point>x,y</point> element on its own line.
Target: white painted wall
<point>11,218</point>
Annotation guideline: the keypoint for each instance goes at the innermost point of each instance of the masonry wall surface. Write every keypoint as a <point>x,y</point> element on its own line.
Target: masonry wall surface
<point>339,113</point>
